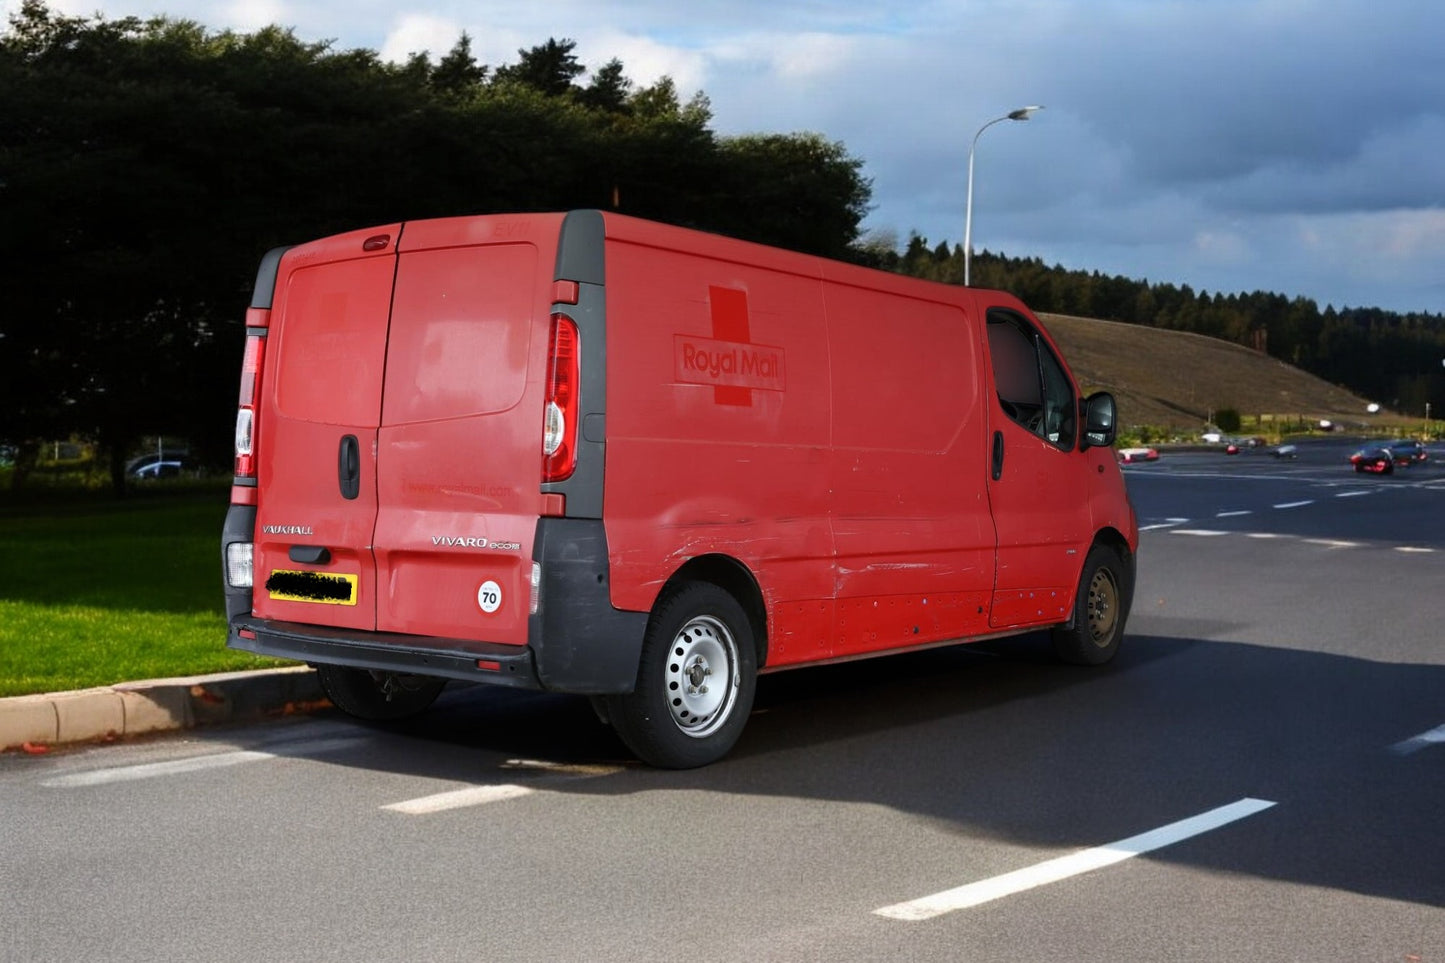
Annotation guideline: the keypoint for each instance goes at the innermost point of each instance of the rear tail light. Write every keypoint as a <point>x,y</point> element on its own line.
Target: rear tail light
<point>559,413</point>
<point>251,367</point>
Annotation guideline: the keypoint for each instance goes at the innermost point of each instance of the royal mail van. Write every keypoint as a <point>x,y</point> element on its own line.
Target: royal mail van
<point>592,454</point>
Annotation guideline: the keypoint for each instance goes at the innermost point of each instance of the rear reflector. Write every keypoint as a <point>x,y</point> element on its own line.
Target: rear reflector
<point>488,666</point>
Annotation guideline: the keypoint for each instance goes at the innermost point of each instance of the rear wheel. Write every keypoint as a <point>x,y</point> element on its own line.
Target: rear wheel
<point>1101,607</point>
<point>377,696</point>
<point>695,683</point>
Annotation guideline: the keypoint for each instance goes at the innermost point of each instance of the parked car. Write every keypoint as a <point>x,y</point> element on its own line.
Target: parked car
<point>1130,455</point>
<point>158,469</point>
<point>1385,458</point>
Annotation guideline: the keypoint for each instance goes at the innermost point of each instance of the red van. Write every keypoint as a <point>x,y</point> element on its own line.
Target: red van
<point>592,454</point>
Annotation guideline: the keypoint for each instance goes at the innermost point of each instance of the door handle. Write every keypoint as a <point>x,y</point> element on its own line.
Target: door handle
<point>997,455</point>
<point>349,466</point>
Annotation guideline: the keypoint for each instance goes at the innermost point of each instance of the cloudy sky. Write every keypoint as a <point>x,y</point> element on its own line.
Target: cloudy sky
<point>1292,146</point>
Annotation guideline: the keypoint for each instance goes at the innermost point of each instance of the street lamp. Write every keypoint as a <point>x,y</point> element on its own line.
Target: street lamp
<point>1021,114</point>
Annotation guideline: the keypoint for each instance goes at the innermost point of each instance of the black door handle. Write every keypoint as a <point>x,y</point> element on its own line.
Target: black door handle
<point>997,455</point>
<point>349,467</point>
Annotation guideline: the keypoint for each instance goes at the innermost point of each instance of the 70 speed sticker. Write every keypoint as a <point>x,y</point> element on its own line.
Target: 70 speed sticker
<point>489,597</point>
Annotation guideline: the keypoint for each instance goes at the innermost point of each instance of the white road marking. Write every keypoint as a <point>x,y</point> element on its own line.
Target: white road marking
<point>1354,494</point>
<point>1206,532</point>
<point>459,799</point>
<point>552,773</point>
<point>1151,528</point>
<point>175,767</point>
<point>1330,543</point>
<point>1232,514</point>
<point>1424,740</point>
<point>1302,504</point>
<point>1084,861</point>
<point>1264,535</point>
<point>1414,550</point>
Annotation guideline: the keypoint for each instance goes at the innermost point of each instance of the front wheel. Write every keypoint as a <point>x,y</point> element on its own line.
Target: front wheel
<point>1101,607</point>
<point>695,682</point>
<point>377,696</point>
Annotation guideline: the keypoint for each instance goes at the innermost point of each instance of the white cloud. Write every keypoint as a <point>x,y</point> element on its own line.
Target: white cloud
<point>413,33</point>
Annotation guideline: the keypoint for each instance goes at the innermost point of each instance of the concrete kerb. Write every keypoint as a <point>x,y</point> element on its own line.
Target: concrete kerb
<point>133,708</point>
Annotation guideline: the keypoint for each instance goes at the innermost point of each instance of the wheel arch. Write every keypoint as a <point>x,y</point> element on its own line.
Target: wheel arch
<point>1109,537</point>
<point>733,577</point>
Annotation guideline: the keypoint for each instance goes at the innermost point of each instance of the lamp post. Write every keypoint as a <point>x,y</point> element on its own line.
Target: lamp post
<point>1021,114</point>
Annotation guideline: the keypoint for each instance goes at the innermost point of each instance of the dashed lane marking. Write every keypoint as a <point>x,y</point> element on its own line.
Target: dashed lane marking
<point>1354,494</point>
<point>175,767</point>
<point>551,773</point>
<point>1084,861</point>
<point>1414,550</point>
<point>1232,514</point>
<point>1308,501</point>
<point>459,799</point>
<point>1424,740</point>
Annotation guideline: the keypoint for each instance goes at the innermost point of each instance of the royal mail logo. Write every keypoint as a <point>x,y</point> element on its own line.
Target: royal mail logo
<point>706,361</point>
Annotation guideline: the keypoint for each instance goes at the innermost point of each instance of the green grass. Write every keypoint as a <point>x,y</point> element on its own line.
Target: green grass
<point>94,592</point>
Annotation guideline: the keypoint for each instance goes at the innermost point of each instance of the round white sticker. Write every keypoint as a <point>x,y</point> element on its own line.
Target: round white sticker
<point>489,597</point>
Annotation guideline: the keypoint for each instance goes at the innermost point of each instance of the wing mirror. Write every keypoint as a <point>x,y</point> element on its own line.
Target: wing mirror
<point>1100,415</point>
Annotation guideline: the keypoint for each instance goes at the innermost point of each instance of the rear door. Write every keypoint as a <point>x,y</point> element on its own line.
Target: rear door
<point>459,454</point>
<point>316,431</point>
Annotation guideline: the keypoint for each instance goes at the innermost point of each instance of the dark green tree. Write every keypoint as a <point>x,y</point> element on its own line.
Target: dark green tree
<point>549,68</point>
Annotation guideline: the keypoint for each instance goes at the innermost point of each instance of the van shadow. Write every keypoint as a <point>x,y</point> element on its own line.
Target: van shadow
<point>999,739</point>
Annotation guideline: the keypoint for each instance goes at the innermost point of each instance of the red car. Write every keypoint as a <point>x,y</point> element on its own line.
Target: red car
<point>1129,456</point>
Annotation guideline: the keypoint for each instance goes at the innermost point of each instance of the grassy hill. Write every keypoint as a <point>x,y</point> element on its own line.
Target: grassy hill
<point>1176,379</point>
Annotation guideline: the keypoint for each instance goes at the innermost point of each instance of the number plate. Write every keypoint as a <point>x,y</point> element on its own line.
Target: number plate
<point>323,587</point>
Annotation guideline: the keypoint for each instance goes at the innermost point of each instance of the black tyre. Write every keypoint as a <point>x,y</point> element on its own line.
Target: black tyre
<point>377,696</point>
<point>1101,607</point>
<point>695,683</point>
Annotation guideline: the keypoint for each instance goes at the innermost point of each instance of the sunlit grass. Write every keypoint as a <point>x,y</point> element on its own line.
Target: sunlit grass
<point>97,593</point>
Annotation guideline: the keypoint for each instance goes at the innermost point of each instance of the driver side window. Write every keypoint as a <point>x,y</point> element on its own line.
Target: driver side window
<point>1033,388</point>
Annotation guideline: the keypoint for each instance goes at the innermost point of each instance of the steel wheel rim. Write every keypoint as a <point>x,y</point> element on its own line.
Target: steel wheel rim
<point>702,676</point>
<point>1103,607</point>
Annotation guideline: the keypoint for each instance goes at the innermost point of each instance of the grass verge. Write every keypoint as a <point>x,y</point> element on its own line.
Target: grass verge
<point>97,592</point>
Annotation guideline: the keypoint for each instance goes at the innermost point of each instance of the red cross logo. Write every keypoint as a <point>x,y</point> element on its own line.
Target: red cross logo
<point>730,323</point>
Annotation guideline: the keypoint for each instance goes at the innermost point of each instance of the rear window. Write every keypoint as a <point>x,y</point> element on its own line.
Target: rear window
<point>332,342</point>
<point>461,332</point>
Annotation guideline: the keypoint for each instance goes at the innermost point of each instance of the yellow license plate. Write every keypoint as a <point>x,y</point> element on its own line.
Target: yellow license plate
<point>324,587</point>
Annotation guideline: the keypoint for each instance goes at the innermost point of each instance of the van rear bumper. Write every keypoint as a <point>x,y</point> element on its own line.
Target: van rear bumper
<point>577,642</point>
<point>485,662</point>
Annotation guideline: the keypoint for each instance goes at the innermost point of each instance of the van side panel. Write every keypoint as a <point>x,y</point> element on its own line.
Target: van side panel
<point>458,452</point>
<point>717,424</point>
<point>911,524</point>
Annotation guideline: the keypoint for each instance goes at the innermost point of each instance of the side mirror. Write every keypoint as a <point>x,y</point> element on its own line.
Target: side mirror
<point>1100,415</point>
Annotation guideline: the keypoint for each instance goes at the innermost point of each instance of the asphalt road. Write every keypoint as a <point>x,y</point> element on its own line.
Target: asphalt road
<point>1258,776</point>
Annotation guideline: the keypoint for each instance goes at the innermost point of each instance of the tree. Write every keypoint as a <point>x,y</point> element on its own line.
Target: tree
<point>609,90</point>
<point>458,73</point>
<point>549,68</point>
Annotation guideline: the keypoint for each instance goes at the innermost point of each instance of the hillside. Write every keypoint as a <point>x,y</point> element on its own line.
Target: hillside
<point>1177,379</point>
